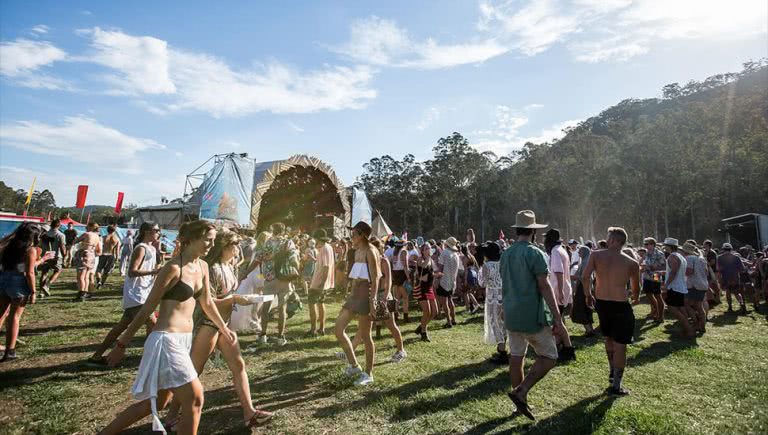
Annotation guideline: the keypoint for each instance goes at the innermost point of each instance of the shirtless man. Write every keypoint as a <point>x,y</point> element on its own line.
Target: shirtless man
<point>110,251</point>
<point>613,269</point>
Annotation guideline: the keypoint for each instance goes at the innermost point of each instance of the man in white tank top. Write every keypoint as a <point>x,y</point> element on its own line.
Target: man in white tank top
<point>675,284</point>
<point>140,278</point>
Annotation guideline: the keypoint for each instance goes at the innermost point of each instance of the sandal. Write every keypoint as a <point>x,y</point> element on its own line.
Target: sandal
<point>259,418</point>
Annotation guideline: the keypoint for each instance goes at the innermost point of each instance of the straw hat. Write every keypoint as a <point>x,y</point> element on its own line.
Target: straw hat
<point>669,241</point>
<point>451,242</point>
<point>690,248</point>
<point>527,219</point>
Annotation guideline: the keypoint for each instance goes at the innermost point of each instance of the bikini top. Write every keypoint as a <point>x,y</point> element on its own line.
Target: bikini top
<point>181,291</point>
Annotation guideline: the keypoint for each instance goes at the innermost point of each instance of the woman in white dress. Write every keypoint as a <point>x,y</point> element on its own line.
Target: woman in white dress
<point>494,331</point>
<point>166,368</point>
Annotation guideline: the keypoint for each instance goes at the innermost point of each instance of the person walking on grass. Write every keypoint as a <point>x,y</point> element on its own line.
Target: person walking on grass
<point>52,241</point>
<point>142,270</point>
<point>424,290</point>
<point>494,332</point>
<point>322,281</point>
<point>448,265</point>
<point>531,316</point>
<point>365,277</point>
<point>613,269</point>
<point>19,256</point>
<point>560,280</point>
<point>224,281</point>
<point>385,294</point>
<point>401,274</point>
<point>696,281</point>
<point>582,314</point>
<point>125,252</point>
<point>276,256</point>
<point>89,247</point>
<point>675,285</point>
<point>653,264</point>
<point>166,369</point>
<point>70,235</point>
<point>729,272</point>
<point>110,252</point>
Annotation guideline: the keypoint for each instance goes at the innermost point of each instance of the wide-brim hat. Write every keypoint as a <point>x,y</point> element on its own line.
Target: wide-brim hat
<point>690,248</point>
<point>321,235</point>
<point>527,219</point>
<point>727,247</point>
<point>363,228</point>
<point>670,241</point>
<point>452,243</point>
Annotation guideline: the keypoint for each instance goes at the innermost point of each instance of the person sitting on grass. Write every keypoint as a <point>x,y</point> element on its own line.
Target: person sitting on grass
<point>18,258</point>
<point>166,367</point>
<point>142,271</point>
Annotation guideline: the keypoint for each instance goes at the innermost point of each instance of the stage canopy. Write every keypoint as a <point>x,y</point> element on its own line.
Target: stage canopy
<point>302,191</point>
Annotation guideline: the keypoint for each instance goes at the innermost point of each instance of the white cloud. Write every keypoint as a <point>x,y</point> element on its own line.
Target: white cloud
<point>617,30</point>
<point>80,139</point>
<point>22,56</point>
<point>294,127</point>
<point>142,61</point>
<point>381,42</point>
<point>40,29</point>
<point>533,106</point>
<point>431,115</point>
<point>504,136</point>
<point>208,84</point>
<point>185,80</point>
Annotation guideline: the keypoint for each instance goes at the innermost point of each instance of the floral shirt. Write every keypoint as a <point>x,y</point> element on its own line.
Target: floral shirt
<point>654,261</point>
<point>266,253</point>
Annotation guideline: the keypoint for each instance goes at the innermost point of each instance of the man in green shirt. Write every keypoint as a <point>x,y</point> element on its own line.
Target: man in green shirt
<point>531,315</point>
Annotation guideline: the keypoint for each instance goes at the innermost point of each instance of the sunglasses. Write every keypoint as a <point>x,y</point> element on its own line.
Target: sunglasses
<point>155,230</point>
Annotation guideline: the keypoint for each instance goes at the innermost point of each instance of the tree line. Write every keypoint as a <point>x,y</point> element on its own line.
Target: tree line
<point>670,166</point>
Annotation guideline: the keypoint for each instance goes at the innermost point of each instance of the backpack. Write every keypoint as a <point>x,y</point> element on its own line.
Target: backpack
<point>285,269</point>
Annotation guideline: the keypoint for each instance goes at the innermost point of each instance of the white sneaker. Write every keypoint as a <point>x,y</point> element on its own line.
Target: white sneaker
<point>281,341</point>
<point>399,356</point>
<point>364,379</point>
<point>341,356</point>
<point>352,371</point>
<point>262,339</point>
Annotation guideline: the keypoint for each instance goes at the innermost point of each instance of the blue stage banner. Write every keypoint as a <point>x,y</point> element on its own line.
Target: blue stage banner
<point>226,191</point>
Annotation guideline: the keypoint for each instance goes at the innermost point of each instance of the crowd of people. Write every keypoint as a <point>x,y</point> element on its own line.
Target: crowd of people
<point>221,281</point>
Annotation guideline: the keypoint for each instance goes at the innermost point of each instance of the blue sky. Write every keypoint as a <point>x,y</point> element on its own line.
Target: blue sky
<point>131,96</point>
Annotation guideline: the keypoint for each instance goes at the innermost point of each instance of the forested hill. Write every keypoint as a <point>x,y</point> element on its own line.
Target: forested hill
<point>670,166</point>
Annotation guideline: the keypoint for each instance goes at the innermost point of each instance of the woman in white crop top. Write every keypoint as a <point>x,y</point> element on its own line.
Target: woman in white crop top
<point>365,274</point>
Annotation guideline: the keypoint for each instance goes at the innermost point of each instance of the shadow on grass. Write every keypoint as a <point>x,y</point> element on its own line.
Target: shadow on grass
<point>581,417</point>
<point>724,319</point>
<point>660,350</point>
<point>450,379</point>
<point>71,371</point>
<point>24,331</point>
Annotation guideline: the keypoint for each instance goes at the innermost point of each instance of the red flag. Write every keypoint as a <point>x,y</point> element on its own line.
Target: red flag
<point>82,192</point>
<point>119,204</point>
<point>501,235</point>
<point>87,221</point>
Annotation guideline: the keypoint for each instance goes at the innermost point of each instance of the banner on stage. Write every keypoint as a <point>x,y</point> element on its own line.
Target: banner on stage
<point>227,190</point>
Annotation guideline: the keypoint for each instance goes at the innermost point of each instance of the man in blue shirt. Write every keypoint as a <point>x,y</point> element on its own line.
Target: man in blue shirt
<point>531,315</point>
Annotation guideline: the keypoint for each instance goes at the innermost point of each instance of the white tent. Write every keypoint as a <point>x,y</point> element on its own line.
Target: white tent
<point>380,227</point>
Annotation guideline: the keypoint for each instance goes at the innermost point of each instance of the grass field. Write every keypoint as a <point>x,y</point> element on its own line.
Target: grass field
<point>717,383</point>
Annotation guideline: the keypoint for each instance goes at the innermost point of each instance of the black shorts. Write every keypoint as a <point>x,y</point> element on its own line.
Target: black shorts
<point>675,299</point>
<point>53,264</point>
<point>651,287</point>
<point>443,292</point>
<point>315,296</point>
<point>106,264</point>
<point>617,320</point>
<point>398,278</point>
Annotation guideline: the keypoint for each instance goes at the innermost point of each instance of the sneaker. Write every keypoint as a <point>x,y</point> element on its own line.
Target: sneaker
<point>10,355</point>
<point>46,290</point>
<point>341,356</point>
<point>262,339</point>
<point>364,379</point>
<point>618,391</point>
<point>259,418</point>
<point>352,371</point>
<point>281,341</point>
<point>399,356</point>
<point>566,354</point>
<point>425,337</point>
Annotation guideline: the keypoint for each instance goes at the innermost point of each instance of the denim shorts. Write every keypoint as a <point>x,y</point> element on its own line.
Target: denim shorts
<point>13,285</point>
